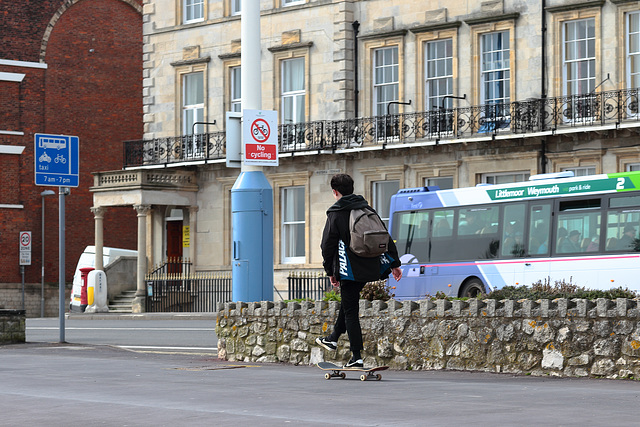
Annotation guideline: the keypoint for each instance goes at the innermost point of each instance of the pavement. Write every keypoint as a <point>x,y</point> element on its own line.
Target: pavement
<point>140,316</point>
<point>79,385</point>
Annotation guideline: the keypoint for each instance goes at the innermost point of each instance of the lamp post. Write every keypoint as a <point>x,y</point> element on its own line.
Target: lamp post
<point>43,194</point>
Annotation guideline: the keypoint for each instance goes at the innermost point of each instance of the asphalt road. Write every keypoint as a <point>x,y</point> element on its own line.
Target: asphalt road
<point>160,372</point>
<point>152,333</point>
<point>80,385</point>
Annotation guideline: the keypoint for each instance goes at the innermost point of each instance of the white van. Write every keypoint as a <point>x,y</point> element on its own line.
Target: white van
<point>88,259</point>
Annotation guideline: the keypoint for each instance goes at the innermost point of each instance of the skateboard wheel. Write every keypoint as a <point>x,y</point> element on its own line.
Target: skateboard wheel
<point>378,377</point>
<point>327,376</point>
<point>363,377</point>
<point>343,375</point>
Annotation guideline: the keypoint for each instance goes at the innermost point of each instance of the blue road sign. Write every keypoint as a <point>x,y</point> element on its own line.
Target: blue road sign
<point>57,160</point>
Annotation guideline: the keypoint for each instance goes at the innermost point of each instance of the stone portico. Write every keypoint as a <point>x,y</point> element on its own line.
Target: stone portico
<point>156,195</point>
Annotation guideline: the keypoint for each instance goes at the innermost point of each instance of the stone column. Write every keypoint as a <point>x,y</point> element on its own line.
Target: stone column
<point>139,300</point>
<point>193,212</point>
<point>98,216</point>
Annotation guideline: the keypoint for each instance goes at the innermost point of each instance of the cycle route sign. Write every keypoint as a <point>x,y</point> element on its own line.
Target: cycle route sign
<point>57,159</point>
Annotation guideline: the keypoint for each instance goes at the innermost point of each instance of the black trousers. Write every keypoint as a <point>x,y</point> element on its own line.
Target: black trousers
<point>349,315</point>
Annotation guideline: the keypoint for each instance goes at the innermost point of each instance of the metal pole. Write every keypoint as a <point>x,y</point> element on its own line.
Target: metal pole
<point>62,192</point>
<point>22,272</point>
<point>42,263</point>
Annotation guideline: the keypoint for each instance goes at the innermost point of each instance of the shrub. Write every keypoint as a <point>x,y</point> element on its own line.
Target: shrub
<point>333,295</point>
<point>560,289</point>
<point>377,291</point>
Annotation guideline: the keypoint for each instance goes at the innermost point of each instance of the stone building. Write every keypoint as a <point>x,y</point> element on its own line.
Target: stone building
<point>396,93</point>
<point>71,67</point>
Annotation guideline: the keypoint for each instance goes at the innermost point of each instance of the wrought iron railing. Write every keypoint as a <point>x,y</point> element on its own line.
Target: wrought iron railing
<point>182,292</point>
<point>172,265</point>
<point>304,285</point>
<point>518,117</point>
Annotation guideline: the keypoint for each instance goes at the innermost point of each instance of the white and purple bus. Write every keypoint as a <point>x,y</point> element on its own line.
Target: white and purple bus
<point>555,227</point>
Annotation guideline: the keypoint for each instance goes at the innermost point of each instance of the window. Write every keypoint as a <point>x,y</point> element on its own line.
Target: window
<point>505,178</point>
<point>439,74</point>
<point>193,11</point>
<point>235,79</point>
<point>293,91</point>
<point>582,171</point>
<point>444,182</point>
<point>236,7</point>
<point>293,224</point>
<point>192,103</point>
<point>623,222</point>
<point>579,57</point>
<point>495,69</point>
<point>539,228</point>
<point>382,192</point>
<point>385,80</point>
<point>513,231</point>
<point>292,2</point>
<point>633,50</point>
<point>633,167</point>
<point>578,227</point>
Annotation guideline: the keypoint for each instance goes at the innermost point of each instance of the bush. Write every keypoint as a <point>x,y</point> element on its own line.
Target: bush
<point>377,291</point>
<point>333,295</point>
<point>560,289</point>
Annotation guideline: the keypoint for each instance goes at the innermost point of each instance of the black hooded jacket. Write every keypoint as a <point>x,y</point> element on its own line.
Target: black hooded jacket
<point>336,229</point>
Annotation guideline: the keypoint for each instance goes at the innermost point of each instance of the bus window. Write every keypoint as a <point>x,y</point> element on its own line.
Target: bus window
<point>411,230</point>
<point>622,230</point>
<point>578,226</point>
<point>513,231</point>
<point>539,227</point>
<point>477,236</point>
<point>442,221</point>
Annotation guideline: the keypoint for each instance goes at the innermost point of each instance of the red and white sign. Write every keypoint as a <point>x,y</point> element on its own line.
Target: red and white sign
<point>260,137</point>
<point>25,248</point>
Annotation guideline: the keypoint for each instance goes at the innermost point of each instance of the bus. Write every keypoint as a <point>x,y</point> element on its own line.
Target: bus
<point>555,227</point>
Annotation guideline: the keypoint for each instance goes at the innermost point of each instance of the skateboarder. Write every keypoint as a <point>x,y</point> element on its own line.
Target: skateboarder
<point>348,270</point>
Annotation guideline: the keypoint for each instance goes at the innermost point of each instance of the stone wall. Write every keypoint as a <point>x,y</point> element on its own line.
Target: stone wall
<point>12,326</point>
<point>562,337</point>
<point>11,298</point>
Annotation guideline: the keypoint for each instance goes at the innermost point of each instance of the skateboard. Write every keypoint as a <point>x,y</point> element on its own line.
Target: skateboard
<point>339,371</point>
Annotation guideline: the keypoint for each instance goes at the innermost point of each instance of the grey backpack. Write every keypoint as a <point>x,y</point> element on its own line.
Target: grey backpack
<point>369,236</point>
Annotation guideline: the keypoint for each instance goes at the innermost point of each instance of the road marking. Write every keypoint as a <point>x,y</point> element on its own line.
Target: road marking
<point>201,351</point>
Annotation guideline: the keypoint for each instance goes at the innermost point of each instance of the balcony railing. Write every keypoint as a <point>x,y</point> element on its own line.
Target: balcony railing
<point>517,118</point>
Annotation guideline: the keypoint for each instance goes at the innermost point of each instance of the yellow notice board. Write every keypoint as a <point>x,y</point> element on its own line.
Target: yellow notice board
<point>186,236</point>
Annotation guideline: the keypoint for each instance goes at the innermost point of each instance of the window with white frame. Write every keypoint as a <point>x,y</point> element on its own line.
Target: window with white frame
<point>293,91</point>
<point>439,74</point>
<point>193,11</point>
<point>292,2</point>
<point>192,103</point>
<point>236,7</point>
<point>581,171</point>
<point>385,80</point>
<point>236,95</point>
<point>633,50</point>
<point>505,178</point>
<point>579,56</point>
<point>382,192</point>
<point>293,224</point>
<point>495,69</point>
<point>444,182</point>
<point>632,167</point>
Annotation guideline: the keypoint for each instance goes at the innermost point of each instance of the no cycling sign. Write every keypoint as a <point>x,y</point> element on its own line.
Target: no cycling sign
<point>260,137</point>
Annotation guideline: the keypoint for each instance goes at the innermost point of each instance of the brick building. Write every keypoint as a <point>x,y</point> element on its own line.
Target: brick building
<point>71,67</point>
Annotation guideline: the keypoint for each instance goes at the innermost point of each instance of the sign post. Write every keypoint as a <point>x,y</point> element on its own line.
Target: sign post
<point>57,164</point>
<point>25,256</point>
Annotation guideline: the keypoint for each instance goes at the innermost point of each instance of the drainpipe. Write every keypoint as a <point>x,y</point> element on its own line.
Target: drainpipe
<point>543,86</point>
<point>356,92</point>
